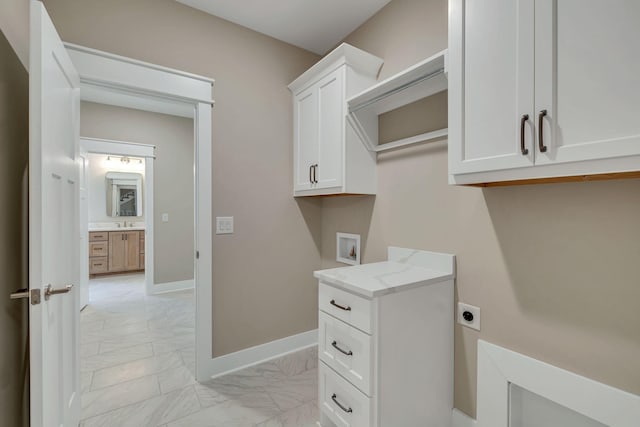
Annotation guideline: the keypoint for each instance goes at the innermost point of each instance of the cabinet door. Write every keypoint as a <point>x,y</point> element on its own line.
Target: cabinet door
<point>331,129</point>
<point>132,259</point>
<point>305,148</point>
<point>491,84</point>
<point>588,78</point>
<point>117,252</point>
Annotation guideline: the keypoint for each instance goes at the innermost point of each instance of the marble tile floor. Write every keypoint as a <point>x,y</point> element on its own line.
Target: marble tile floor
<point>137,363</point>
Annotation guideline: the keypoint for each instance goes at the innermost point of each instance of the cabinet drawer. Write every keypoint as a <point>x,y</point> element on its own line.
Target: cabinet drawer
<point>98,236</point>
<point>98,265</point>
<point>341,402</point>
<point>347,350</point>
<point>347,307</point>
<point>98,249</point>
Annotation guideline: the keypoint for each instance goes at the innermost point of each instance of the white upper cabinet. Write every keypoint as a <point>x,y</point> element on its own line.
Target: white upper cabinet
<point>543,89</point>
<point>329,158</point>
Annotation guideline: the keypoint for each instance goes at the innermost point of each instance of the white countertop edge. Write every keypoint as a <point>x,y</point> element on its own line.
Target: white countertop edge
<point>354,289</point>
<point>116,229</point>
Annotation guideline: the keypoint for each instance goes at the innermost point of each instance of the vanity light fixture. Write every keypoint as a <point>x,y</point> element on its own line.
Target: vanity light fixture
<point>125,160</point>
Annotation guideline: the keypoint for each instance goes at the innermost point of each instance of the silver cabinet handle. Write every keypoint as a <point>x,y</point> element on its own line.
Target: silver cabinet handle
<point>346,353</point>
<point>344,408</point>
<point>49,290</point>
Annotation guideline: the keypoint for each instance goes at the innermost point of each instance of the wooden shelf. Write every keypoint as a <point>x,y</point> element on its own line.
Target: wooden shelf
<point>419,81</point>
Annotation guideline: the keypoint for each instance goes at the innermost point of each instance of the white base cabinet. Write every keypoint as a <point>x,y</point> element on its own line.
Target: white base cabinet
<point>543,89</point>
<point>328,157</point>
<point>386,342</point>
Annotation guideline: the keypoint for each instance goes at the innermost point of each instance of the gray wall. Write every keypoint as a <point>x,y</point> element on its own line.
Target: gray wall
<point>262,284</point>
<point>14,21</point>
<point>14,326</point>
<point>173,178</point>
<point>554,267</point>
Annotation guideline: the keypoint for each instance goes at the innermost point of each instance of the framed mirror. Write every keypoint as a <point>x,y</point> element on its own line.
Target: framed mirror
<point>124,194</point>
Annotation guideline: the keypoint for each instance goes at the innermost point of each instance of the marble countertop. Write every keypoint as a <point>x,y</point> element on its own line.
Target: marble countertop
<point>406,269</point>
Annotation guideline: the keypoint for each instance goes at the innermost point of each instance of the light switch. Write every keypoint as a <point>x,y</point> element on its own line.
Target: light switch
<point>224,225</point>
<point>165,217</point>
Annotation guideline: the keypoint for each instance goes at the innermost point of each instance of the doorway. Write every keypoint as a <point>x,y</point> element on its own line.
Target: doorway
<point>119,81</point>
<point>115,204</point>
<point>139,325</point>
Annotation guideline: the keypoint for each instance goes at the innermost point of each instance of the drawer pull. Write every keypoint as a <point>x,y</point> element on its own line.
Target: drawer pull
<point>335,400</point>
<point>333,303</point>
<point>347,353</point>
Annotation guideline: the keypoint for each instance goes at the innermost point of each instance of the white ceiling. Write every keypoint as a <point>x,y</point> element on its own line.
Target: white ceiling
<point>315,25</point>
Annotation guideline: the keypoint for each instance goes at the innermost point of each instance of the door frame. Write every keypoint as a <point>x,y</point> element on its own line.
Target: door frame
<point>116,80</point>
<point>132,149</point>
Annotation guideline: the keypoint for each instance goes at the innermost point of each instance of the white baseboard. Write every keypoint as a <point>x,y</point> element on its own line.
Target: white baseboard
<point>261,353</point>
<point>181,285</point>
<point>460,419</point>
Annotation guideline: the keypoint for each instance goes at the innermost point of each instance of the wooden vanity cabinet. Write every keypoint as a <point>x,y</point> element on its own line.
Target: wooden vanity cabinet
<point>116,251</point>
<point>124,251</point>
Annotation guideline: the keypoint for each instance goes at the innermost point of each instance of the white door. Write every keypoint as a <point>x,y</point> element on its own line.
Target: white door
<point>83,160</point>
<point>587,79</point>
<point>53,227</point>
<point>497,86</point>
<point>305,116</point>
<point>331,128</point>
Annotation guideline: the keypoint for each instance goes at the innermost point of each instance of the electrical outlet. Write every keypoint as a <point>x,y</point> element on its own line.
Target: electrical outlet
<point>224,225</point>
<point>469,316</point>
<point>165,217</point>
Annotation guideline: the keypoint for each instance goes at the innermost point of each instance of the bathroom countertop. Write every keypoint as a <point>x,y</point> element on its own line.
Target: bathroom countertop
<point>114,228</point>
<point>406,269</point>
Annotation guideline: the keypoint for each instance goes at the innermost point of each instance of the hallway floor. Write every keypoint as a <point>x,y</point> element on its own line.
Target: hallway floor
<point>137,363</point>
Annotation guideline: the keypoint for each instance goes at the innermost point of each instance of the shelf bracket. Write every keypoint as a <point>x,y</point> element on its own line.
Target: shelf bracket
<point>359,130</point>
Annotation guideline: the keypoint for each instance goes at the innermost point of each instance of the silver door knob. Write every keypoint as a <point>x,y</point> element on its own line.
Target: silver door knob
<point>49,290</point>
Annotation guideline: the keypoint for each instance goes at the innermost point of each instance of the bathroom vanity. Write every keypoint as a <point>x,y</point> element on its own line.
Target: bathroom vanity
<point>386,341</point>
<point>116,250</point>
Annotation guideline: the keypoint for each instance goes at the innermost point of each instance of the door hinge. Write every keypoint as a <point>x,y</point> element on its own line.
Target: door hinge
<point>197,254</point>
<point>35,296</point>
